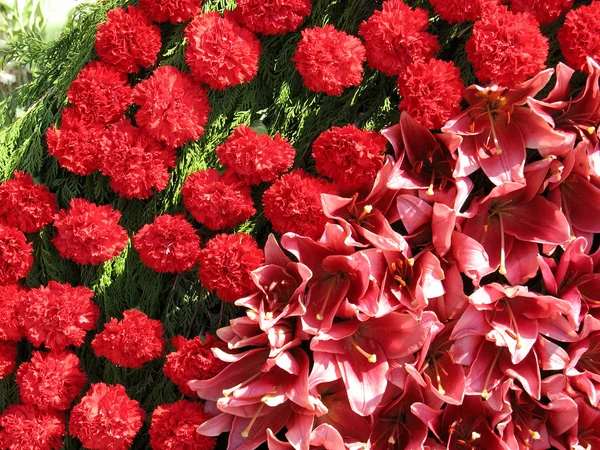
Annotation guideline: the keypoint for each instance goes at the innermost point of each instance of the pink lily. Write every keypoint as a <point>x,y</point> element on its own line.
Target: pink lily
<point>583,368</point>
<point>584,434</point>
<point>498,127</point>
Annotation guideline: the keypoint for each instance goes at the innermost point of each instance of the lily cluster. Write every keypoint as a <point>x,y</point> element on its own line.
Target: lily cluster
<point>434,312</point>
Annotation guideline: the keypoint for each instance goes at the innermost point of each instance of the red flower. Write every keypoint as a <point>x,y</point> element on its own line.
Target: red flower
<point>26,205</point>
<point>174,108</point>
<point>271,16</point>
<point>396,36</point>
<point>11,297</point>
<point>545,11</point>
<point>226,263</point>
<point>329,60</point>
<point>507,48</point>
<point>8,358</point>
<point>16,255</point>
<point>219,52</point>
<point>173,11</point>
<point>76,142</point>
<point>431,92</point>
<point>461,10</point>
<point>51,381</point>
<point>193,360</point>
<point>169,244</point>
<point>101,93</point>
<point>578,37</point>
<point>130,342</point>
<point>135,162</point>
<point>174,427</point>
<point>58,315</point>
<point>128,39</point>
<point>88,233</point>
<point>217,201</point>
<point>22,427</point>
<point>349,156</point>
<point>293,204</point>
<point>255,157</point>
<point>106,418</point>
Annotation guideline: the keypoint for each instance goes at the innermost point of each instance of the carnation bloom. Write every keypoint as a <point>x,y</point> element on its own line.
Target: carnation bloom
<point>101,93</point>
<point>192,360</point>
<point>174,108</point>
<point>461,10</point>
<point>226,263</point>
<point>130,342</point>
<point>544,11</point>
<point>396,36</point>
<point>271,16</point>
<point>8,358</point>
<point>431,92</point>
<point>11,297</point>
<point>219,52</point>
<point>293,204</point>
<point>58,315</point>
<point>507,48</point>
<point>174,427</point>
<point>579,38</point>
<point>255,157</point>
<point>50,381</point>
<point>106,418</point>
<point>135,162</point>
<point>329,60</point>
<point>88,233</point>
<point>349,156</point>
<point>23,427</point>
<point>26,205</point>
<point>174,11</point>
<point>169,244</point>
<point>217,201</point>
<point>128,39</point>
<point>76,142</point>
<point>16,255</point>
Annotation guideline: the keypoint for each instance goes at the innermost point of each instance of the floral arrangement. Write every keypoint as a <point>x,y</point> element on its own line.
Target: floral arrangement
<point>432,284</point>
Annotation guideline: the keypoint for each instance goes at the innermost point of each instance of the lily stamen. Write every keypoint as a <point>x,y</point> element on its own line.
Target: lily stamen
<point>246,431</point>
<point>321,313</point>
<point>513,322</point>
<point>430,190</point>
<point>366,211</point>
<point>371,357</point>
<point>535,435</point>
<point>484,393</point>
<point>438,378</point>
<point>502,269</point>
<point>228,392</point>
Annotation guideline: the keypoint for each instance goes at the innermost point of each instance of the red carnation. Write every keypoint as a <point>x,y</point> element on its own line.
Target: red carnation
<point>507,48</point>
<point>329,60</point>
<point>174,11</point>
<point>544,11</point>
<point>431,92</point>
<point>271,16</point>
<point>169,244</point>
<point>16,255</point>
<point>255,157</point>
<point>579,37</point>
<point>293,204</point>
<point>51,381</point>
<point>23,427</point>
<point>193,360</point>
<point>58,315</point>
<point>76,142</point>
<point>462,10</point>
<point>128,39</point>
<point>349,156</point>
<point>174,427</point>
<point>174,108</point>
<point>226,263</point>
<point>106,418</point>
<point>89,233</point>
<point>8,358</point>
<point>217,201</point>
<point>219,52</point>
<point>11,297</point>
<point>101,93</point>
<point>135,162</point>
<point>130,342</point>
<point>26,205</point>
<point>396,36</point>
